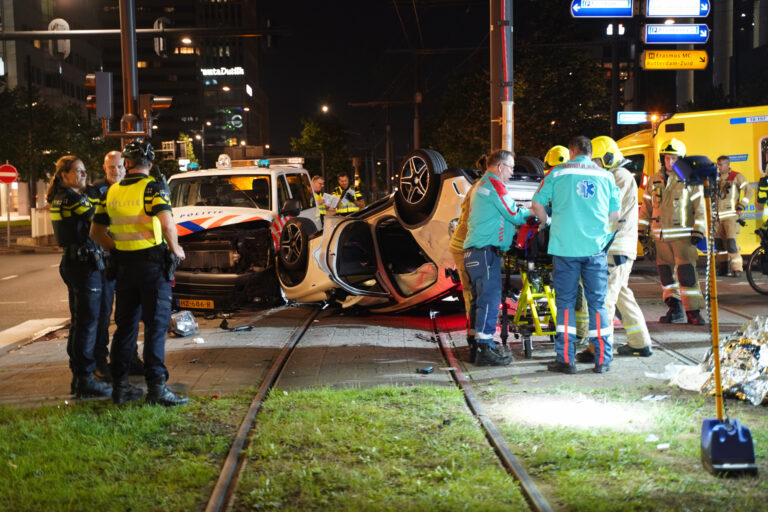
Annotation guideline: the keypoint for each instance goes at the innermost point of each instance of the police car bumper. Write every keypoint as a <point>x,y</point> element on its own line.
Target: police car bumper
<point>210,291</point>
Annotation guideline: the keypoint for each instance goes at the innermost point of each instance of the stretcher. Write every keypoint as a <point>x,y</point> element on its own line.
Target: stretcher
<point>533,312</point>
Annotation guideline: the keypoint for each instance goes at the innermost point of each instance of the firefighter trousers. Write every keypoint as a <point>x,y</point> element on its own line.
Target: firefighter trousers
<point>676,262</point>
<point>726,234</point>
<point>619,296</point>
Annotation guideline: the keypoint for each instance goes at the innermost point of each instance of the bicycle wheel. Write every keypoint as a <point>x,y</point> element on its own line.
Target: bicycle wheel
<point>755,270</point>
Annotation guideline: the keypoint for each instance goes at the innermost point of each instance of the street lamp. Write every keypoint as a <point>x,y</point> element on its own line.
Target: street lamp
<point>324,108</point>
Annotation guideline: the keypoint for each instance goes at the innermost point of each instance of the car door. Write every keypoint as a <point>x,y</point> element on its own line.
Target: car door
<point>348,255</point>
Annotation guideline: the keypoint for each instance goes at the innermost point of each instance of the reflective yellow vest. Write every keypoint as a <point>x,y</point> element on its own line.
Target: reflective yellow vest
<point>129,224</point>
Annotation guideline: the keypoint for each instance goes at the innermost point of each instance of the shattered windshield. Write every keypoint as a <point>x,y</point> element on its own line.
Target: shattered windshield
<point>241,191</point>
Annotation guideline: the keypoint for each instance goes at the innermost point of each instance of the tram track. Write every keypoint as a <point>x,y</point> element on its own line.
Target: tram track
<point>222,495</point>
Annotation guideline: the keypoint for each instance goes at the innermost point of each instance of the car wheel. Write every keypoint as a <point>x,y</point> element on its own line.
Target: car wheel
<point>418,185</point>
<point>529,165</point>
<point>294,244</point>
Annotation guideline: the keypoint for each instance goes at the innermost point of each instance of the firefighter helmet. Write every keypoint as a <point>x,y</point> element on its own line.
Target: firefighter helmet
<point>606,151</point>
<point>556,155</point>
<point>673,147</point>
<point>139,150</point>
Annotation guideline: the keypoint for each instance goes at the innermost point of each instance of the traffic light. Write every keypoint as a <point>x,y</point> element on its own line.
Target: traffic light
<point>100,102</point>
<point>148,104</point>
<point>161,44</point>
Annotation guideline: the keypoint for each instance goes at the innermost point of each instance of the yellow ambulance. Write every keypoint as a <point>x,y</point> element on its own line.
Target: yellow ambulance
<point>739,133</point>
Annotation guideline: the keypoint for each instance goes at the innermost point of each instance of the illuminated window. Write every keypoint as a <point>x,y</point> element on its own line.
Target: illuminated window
<point>141,64</point>
<point>184,50</point>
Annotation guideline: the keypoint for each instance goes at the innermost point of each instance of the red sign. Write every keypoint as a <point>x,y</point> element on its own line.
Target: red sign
<point>8,173</point>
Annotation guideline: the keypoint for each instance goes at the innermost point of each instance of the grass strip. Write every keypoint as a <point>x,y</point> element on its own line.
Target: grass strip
<point>620,462</point>
<point>97,456</point>
<point>381,449</point>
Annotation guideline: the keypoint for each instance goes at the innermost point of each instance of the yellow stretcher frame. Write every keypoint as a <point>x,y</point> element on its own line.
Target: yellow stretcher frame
<point>529,319</point>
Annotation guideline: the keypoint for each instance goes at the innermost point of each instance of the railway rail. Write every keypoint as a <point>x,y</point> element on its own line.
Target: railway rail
<point>221,497</point>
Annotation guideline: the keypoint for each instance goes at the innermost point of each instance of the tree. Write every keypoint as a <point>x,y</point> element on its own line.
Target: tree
<point>324,138</point>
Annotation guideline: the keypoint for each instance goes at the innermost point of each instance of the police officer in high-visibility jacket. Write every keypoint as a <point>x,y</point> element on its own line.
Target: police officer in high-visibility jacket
<point>80,268</point>
<point>621,255</point>
<point>350,199</point>
<point>733,195</point>
<point>137,212</point>
<point>674,213</point>
<point>318,186</point>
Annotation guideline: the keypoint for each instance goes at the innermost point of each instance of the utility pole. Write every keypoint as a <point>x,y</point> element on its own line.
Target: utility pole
<point>502,98</point>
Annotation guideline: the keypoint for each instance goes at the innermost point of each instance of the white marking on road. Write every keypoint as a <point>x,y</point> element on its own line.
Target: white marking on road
<point>14,302</point>
<point>9,277</point>
<point>54,265</point>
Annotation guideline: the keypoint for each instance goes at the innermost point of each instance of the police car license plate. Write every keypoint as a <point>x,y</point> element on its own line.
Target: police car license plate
<point>196,303</point>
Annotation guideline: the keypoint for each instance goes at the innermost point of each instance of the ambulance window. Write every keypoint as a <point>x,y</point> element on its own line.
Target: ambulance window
<point>636,167</point>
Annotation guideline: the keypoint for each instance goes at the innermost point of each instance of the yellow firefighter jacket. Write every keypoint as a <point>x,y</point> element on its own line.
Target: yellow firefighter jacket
<point>625,243</point>
<point>730,187</point>
<point>671,209</point>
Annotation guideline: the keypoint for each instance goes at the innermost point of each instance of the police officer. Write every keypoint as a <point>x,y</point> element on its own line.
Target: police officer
<point>675,214</point>
<point>137,212</point>
<point>81,266</point>
<point>350,200</point>
<point>318,184</point>
<point>114,171</point>
<point>585,202</point>
<point>733,195</point>
<point>490,231</point>
<point>621,255</point>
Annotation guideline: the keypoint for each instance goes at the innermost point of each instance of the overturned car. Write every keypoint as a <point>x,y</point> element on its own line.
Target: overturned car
<point>393,254</point>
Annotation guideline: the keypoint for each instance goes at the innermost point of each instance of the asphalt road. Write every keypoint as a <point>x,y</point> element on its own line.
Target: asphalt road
<point>31,288</point>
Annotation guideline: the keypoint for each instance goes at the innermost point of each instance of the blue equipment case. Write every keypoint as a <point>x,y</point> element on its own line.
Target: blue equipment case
<point>726,448</point>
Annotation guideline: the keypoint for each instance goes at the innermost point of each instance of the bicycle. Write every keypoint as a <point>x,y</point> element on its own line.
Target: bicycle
<point>757,264</point>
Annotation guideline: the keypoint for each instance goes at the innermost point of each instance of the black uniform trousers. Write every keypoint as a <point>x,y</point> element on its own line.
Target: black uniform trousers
<point>142,293</point>
<point>84,289</point>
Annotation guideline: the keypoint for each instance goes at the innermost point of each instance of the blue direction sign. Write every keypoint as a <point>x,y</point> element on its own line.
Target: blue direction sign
<point>677,8</point>
<point>676,34</point>
<point>601,8</point>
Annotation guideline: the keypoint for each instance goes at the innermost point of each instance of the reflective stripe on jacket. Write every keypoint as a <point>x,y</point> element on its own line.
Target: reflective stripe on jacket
<point>625,242</point>
<point>130,224</point>
<point>320,207</point>
<point>672,210</point>
<point>346,205</point>
<point>493,215</point>
<point>729,190</point>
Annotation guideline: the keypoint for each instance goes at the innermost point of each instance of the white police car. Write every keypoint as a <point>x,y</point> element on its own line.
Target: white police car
<point>229,221</point>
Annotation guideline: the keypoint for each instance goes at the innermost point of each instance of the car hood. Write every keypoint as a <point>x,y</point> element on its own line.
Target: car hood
<point>191,219</point>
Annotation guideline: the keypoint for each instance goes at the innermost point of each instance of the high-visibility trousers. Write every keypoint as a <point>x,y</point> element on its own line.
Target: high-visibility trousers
<point>676,262</point>
<point>619,296</point>
<point>726,236</point>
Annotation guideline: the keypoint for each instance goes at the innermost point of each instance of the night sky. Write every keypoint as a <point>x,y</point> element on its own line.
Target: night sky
<point>344,51</point>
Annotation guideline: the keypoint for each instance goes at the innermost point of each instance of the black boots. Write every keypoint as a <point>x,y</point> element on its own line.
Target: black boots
<point>124,392</point>
<point>102,371</point>
<point>159,394</point>
<point>137,366</point>
<point>695,318</point>
<point>676,313</point>
<point>488,355</point>
<point>87,387</point>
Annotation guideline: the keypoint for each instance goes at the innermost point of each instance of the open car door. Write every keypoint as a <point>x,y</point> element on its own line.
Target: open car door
<point>348,255</point>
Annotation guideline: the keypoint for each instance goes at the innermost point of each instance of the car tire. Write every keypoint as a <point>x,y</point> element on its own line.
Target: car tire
<point>294,244</point>
<point>418,185</point>
<point>529,165</point>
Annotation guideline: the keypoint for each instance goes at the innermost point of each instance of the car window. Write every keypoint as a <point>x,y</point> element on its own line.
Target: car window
<point>300,189</point>
<point>282,192</point>
<point>248,191</point>
<point>636,167</point>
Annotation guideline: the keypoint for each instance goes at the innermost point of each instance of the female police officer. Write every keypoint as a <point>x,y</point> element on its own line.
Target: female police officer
<point>81,267</point>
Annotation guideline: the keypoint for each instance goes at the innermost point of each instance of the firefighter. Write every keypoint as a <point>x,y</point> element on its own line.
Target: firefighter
<point>81,268</point>
<point>555,156</point>
<point>733,195</point>
<point>350,199</point>
<point>141,233</point>
<point>673,213</point>
<point>621,255</point>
